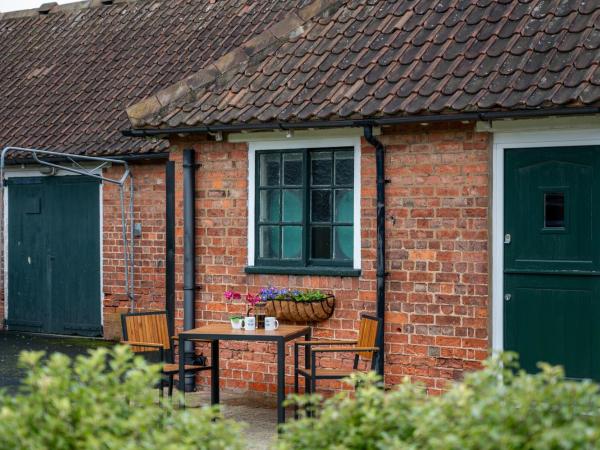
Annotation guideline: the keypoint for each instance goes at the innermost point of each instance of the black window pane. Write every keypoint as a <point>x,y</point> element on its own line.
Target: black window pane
<point>321,243</point>
<point>292,169</point>
<point>554,210</point>
<point>344,168</point>
<point>321,168</point>
<point>321,206</point>
<point>269,169</point>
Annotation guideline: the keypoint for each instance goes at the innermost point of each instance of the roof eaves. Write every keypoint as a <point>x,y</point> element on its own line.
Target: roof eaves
<point>289,28</point>
<point>53,8</point>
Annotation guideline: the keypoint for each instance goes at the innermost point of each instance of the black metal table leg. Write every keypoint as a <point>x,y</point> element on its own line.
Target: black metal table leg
<point>307,337</point>
<point>214,372</point>
<point>280,381</point>
<point>181,372</point>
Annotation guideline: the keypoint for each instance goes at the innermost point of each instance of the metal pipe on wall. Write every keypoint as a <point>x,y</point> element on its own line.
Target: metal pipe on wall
<point>380,273</point>
<point>189,255</point>
<point>170,245</point>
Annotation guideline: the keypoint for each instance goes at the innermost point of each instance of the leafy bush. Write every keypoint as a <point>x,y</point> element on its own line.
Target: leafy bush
<point>103,401</point>
<point>499,407</point>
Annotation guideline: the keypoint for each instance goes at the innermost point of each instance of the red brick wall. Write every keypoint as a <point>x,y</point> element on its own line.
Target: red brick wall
<point>437,239</point>
<point>437,291</point>
<point>149,252</point>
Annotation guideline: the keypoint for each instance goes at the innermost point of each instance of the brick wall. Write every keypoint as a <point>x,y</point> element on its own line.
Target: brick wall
<point>149,252</point>
<point>437,291</point>
<point>437,239</point>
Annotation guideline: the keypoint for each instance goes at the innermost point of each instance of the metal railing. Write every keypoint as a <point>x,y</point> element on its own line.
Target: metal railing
<point>58,161</point>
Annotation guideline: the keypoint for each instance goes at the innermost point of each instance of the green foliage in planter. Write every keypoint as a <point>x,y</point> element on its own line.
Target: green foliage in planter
<point>298,296</point>
<point>498,408</point>
<point>103,401</point>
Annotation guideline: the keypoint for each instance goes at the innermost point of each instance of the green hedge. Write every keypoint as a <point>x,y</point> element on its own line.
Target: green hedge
<point>499,407</point>
<point>103,401</point>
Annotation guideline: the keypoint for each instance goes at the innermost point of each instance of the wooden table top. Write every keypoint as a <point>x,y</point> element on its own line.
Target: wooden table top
<point>225,331</point>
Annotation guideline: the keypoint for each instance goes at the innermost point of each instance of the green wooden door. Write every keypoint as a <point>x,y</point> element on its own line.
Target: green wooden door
<point>54,255</point>
<point>552,258</point>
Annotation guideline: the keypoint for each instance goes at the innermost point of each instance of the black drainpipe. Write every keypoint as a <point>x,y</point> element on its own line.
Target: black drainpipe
<point>380,171</point>
<point>170,245</point>
<point>189,256</point>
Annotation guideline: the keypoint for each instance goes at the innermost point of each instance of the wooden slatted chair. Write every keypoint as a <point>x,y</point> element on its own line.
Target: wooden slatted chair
<point>364,348</point>
<point>148,333</point>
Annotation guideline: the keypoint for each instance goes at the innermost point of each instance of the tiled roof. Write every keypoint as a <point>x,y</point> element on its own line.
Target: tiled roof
<point>67,76</point>
<point>373,58</point>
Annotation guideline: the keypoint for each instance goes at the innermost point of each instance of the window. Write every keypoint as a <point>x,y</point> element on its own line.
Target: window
<point>304,208</point>
<point>554,210</point>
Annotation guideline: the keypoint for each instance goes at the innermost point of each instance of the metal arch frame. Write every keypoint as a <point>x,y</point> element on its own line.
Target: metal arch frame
<point>77,168</point>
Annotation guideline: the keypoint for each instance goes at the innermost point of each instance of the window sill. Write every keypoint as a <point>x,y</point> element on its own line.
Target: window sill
<point>320,271</point>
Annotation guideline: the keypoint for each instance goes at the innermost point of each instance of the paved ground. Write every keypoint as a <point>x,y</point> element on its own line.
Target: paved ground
<point>12,343</point>
<point>258,413</point>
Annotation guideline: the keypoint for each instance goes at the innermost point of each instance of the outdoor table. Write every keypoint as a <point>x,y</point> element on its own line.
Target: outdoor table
<point>223,331</point>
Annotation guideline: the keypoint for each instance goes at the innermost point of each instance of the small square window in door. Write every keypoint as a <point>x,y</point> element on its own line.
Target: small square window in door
<point>554,210</point>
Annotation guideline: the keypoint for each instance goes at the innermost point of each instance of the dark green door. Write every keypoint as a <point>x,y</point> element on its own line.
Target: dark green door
<point>54,255</point>
<point>552,258</point>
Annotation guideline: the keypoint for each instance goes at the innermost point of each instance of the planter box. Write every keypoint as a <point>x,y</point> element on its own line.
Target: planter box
<point>293,311</point>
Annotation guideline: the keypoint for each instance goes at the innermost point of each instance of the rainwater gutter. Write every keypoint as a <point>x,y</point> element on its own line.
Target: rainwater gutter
<point>380,273</point>
<point>382,121</point>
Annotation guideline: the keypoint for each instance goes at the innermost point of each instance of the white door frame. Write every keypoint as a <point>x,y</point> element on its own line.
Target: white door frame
<point>552,132</point>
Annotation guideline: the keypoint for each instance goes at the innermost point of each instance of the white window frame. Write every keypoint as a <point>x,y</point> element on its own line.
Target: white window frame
<point>292,144</point>
<point>552,132</point>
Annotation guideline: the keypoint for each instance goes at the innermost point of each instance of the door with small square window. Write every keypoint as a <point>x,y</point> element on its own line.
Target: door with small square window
<point>552,258</point>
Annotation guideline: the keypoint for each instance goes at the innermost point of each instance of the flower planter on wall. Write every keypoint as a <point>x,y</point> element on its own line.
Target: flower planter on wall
<point>305,311</point>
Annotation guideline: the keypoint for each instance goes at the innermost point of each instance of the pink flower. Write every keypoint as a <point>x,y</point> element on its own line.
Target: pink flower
<point>232,295</point>
<point>252,299</point>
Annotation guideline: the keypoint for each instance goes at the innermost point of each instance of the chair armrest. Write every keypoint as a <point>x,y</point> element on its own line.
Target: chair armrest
<point>330,342</point>
<point>142,344</point>
<point>345,349</point>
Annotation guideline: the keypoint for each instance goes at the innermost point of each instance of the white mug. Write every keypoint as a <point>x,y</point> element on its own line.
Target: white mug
<point>250,323</point>
<point>271,323</point>
<point>237,324</point>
